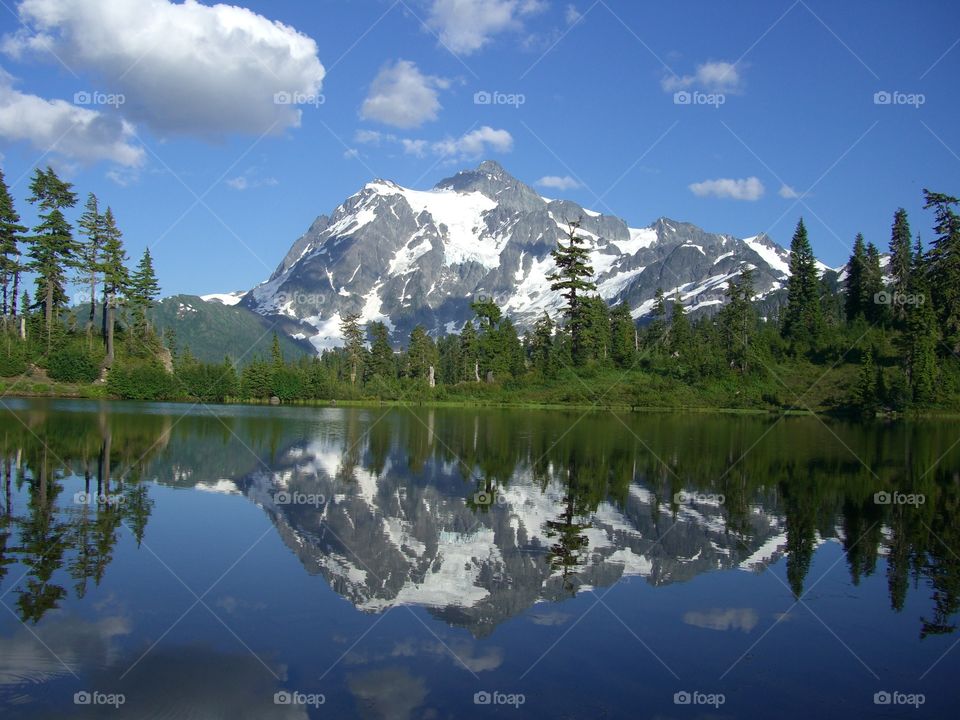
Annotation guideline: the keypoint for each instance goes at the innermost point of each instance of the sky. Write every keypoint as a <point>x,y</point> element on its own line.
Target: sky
<point>217,133</point>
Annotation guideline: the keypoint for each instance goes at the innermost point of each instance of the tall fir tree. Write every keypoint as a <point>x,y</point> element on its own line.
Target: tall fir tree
<point>856,270</point>
<point>382,360</point>
<point>681,334</point>
<point>470,353</point>
<point>421,354</point>
<point>738,321</point>
<point>944,265</point>
<point>353,343</point>
<point>52,247</point>
<point>144,290</point>
<point>921,334</point>
<point>116,279</point>
<point>876,310</point>
<point>11,235</point>
<point>89,252</point>
<point>901,261</point>
<point>657,329</point>
<point>622,342</point>
<point>802,320</point>
<point>574,277</point>
<point>541,350</point>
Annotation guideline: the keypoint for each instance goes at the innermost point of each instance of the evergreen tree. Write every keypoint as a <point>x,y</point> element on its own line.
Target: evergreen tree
<point>900,260</point>
<point>421,354</point>
<point>11,235</point>
<point>91,226</point>
<point>353,342</point>
<point>469,353</point>
<point>144,290</point>
<point>382,361</point>
<point>876,311</point>
<point>919,340</point>
<point>573,276</point>
<point>657,329</point>
<point>856,272</point>
<point>52,247</point>
<point>944,266</point>
<point>802,321</point>
<point>541,347</point>
<point>681,334</point>
<point>622,336</point>
<point>276,354</point>
<point>865,393</point>
<point>738,321</point>
<point>595,334</point>
<point>116,279</point>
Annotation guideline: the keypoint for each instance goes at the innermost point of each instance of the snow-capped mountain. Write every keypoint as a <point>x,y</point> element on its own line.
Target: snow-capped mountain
<point>407,257</point>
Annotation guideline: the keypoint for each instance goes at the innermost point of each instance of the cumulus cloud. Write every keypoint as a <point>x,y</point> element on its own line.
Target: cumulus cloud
<point>465,26</point>
<point>710,76</point>
<point>788,193</point>
<point>62,128</point>
<point>403,96</point>
<point>471,145</point>
<point>184,68</point>
<point>555,182</point>
<point>749,189</point>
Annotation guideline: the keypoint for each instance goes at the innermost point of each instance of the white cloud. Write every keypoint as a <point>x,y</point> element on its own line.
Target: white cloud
<point>471,145</point>
<point>351,154</point>
<point>711,76</point>
<point>465,26</point>
<point>555,182</point>
<point>372,137</point>
<point>749,189</point>
<point>251,179</point>
<point>63,128</point>
<point>788,193</point>
<point>403,96</point>
<point>572,15</point>
<point>184,68</point>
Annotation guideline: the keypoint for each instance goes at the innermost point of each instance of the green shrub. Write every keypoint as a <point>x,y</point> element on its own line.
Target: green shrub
<point>73,364</point>
<point>13,359</point>
<point>141,381</point>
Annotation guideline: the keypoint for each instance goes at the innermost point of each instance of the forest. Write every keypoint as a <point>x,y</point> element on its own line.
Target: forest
<point>884,340</point>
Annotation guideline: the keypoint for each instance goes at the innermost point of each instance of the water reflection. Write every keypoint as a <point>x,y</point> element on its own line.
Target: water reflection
<point>477,516</point>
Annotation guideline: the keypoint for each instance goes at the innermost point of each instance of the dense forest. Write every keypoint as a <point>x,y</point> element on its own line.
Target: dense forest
<point>885,341</point>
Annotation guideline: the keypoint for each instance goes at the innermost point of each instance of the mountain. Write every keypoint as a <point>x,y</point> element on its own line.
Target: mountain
<point>408,257</point>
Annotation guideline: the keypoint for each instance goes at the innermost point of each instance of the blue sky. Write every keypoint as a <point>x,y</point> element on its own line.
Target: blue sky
<point>203,164</point>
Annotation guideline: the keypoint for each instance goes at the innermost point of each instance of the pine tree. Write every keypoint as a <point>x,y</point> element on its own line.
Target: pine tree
<point>353,342</point>
<point>865,392</point>
<point>88,260</point>
<point>116,278</point>
<point>622,329</point>
<point>681,334</point>
<point>11,235</point>
<point>944,266</point>
<point>657,329</point>
<point>382,361</point>
<point>421,354</point>
<point>470,353</point>
<point>856,270</point>
<point>276,353</point>
<point>144,290</point>
<point>52,247</point>
<point>573,276</point>
<point>595,334</point>
<point>802,321</point>
<point>921,334</point>
<point>541,350</point>
<point>738,321</point>
<point>900,260</point>
<point>876,311</point>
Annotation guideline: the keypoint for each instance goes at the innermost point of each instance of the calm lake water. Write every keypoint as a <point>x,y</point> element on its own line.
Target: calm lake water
<point>163,561</point>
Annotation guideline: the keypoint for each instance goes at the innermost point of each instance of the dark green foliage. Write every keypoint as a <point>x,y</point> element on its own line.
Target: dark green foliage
<point>11,236</point>
<point>573,276</point>
<point>801,319</point>
<point>901,260</point>
<point>382,361</point>
<point>139,380</point>
<point>943,265</point>
<point>74,364</point>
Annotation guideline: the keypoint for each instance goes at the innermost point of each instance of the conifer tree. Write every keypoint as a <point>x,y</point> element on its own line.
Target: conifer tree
<point>353,342</point>
<point>573,276</point>
<point>11,235</point>
<point>144,290</point>
<point>116,278</point>
<point>52,247</point>
<point>541,351</point>
<point>944,266</point>
<point>469,353</point>
<point>900,259</point>
<point>89,251</point>
<point>738,321</point>
<point>421,354</point>
<point>876,311</point>
<point>919,340</point>
<point>856,270</point>
<point>657,329</point>
<point>382,361</point>
<point>802,321</point>
<point>681,334</point>
<point>622,329</point>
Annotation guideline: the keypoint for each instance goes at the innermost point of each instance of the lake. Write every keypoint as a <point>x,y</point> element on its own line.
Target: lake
<point>176,561</point>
